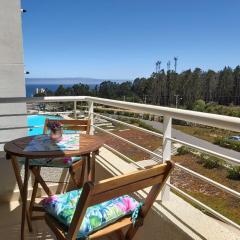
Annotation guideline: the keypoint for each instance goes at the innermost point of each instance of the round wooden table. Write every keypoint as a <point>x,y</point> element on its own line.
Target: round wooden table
<point>15,148</point>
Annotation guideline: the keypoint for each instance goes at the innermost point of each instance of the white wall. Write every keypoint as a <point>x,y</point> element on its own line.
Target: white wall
<point>12,83</point>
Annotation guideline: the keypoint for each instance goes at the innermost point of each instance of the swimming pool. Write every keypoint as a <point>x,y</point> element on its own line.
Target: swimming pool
<point>38,120</point>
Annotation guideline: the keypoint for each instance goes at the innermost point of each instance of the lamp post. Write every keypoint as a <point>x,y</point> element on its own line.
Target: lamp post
<point>177,96</point>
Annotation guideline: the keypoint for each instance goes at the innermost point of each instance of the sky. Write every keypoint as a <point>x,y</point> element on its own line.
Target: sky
<point>123,39</point>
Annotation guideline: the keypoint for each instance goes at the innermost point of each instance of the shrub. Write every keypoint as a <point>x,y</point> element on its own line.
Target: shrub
<point>234,173</point>
<point>199,105</point>
<point>109,111</point>
<point>210,162</point>
<point>201,159</point>
<point>183,150</point>
<point>179,122</point>
<point>227,143</point>
<point>145,116</point>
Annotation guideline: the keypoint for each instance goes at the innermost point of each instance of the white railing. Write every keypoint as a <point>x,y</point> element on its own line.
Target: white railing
<point>214,120</point>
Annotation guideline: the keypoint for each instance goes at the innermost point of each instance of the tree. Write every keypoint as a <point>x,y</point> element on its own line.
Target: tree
<point>141,88</point>
<point>160,88</point>
<point>225,86</point>
<point>61,91</point>
<point>236,85</point>
<point>80,89</point>
<point>209,85</point>
<point>108,89</point>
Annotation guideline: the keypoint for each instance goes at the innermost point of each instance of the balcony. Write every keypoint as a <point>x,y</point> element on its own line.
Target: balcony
<point>176,213</point>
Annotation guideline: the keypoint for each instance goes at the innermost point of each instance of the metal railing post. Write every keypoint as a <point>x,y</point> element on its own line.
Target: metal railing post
<point>75,109</point>
<point>167,147</point>
<point>90,116</point>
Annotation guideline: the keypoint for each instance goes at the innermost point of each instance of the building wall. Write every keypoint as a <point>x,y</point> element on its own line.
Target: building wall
<point>12,83</point>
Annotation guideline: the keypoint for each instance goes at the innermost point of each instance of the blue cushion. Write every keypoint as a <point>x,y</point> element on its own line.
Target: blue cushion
<point>62,207</point>
<point>52,162</point>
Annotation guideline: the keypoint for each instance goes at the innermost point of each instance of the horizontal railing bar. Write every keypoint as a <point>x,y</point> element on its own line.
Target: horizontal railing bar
<point>54,113</point>
<point>36,114</point>
<point>210,152</point>
<point>17,115</point>
<point>130,125</point>
<point>129,142</point>
<point>202,205</point>
<point>123,156</point>
<point>16,128</point>
<point>42,99</point>
<point>209,119</point>
<point>116,110</point>
<point>208,180</point>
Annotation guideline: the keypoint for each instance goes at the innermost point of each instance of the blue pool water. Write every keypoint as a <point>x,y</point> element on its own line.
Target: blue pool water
<point>38,120</point>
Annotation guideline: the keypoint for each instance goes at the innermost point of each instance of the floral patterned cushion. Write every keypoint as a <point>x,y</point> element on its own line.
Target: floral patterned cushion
<point>52,162</point>
<point>62,207</point>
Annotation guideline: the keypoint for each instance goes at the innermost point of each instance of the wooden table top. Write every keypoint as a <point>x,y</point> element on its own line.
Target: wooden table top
<point>88,143</point>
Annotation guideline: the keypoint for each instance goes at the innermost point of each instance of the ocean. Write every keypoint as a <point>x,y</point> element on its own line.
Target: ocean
<point>31,88</point>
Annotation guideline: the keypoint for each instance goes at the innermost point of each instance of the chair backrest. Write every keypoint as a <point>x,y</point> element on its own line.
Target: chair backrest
<point>72,125</point>
<point>154,177</point>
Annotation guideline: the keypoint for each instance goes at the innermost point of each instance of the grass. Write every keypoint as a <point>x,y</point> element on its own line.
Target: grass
<point>213,135</point>
<point>213,197</point>
<point>138,123</point>
<point>228,206</point>
<point>203,132</point>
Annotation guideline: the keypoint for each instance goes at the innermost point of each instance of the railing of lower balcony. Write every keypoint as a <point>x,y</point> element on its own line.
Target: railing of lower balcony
<point>225,122</point>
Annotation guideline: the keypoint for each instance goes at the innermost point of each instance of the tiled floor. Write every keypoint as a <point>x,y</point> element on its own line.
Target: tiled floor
<point>10,226</point>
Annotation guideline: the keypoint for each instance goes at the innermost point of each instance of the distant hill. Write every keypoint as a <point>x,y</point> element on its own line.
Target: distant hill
<point>69,81</point>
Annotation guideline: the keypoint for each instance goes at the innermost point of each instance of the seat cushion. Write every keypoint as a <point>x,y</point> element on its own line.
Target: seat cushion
<point>62,208</point>
<point>52,162</point>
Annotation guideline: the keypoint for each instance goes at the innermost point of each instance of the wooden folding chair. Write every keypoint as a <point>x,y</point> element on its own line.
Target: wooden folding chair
<point>69,125</point>
<point>93,194</point>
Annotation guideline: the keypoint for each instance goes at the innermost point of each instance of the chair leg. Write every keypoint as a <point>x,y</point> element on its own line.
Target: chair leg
<point>73,176</point>
<point>34,194</point>
<point>131,232</point>
<point>73,169</point>
<point>82,177</point>
<point>120,235</point>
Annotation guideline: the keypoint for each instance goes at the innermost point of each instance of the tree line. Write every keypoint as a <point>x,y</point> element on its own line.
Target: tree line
<point>165,88</point>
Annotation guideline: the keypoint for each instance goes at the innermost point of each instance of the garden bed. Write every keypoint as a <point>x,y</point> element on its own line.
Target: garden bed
<point>143,139</point>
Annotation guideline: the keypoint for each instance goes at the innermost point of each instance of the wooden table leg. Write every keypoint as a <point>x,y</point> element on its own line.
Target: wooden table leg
<point>91,167</point>
<point>88,160</point>
<point>24,197</point>
<point>82,177</point>
<point>20,185</point>
<point>34,194</point>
